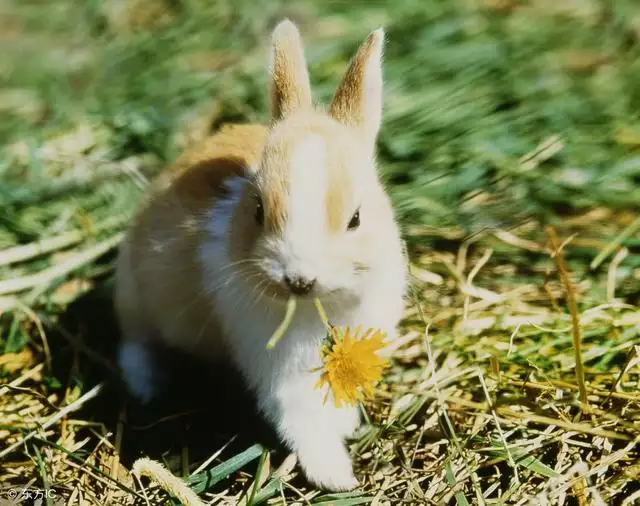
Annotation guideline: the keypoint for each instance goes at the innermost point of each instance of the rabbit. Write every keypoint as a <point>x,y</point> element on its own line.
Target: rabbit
<point>252,216</point>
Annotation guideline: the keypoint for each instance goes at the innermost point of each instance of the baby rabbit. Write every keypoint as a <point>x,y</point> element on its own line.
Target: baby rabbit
<point>252,216</point>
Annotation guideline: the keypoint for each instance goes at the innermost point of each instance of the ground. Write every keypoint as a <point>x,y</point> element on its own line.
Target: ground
<point>510,147</point>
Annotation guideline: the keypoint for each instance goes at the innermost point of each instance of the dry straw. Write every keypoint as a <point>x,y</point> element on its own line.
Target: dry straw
<point>170,483</point>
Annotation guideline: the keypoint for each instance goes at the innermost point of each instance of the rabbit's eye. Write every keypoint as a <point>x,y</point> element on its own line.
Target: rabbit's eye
<point>355,221</point>
<point>259,214</point>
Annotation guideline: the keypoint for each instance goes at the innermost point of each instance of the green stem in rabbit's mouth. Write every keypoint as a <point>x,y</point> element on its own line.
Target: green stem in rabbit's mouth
<point>322,313</point>
<point>282,328</point>
<point>288,316</point>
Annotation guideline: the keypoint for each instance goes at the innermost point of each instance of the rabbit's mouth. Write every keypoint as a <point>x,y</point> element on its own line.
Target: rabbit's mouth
<point>285,287</point>
<point>273,279</point>
<point>267,289</point>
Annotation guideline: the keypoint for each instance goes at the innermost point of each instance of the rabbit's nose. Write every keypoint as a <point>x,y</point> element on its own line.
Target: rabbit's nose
<point>299,285</point>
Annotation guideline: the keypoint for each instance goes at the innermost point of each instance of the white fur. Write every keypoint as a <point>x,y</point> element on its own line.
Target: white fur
<point>296,253</point>
<point>139,370</point>
<point>282,378</point>
<point>306,209</point>
<point>134,358</point>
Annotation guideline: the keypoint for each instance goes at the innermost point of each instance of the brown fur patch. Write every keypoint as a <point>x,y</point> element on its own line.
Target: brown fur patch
<point>170,229</point>
<point>274,186</point>
<point>242,142</point>
<point>337,199</point>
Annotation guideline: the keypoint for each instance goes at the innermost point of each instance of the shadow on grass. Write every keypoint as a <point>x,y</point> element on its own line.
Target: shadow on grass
<point>201,408</point>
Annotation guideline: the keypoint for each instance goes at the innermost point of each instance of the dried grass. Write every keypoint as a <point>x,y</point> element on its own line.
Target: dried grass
<point>516,379</point>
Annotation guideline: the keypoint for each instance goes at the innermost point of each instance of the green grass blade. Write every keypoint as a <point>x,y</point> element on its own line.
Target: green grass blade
<point>204,481</point>
<point>266,492</point>
<point>451,480</point>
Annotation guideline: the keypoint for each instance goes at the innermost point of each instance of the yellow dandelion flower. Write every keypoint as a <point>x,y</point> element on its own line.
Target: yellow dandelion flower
<point>351,364</point>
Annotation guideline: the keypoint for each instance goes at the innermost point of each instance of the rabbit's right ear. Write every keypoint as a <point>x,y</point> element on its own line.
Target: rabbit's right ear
<point>290,88</point>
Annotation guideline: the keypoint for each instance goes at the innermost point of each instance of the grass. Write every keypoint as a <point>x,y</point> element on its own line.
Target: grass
<point>511,149</point>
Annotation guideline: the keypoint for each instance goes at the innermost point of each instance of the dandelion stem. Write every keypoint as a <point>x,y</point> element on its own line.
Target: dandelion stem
<point>282,328</point>
<point>322,313</point>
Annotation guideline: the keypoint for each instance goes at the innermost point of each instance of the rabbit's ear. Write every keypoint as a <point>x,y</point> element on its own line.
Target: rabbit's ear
<point>358,100</point>
<point>290,89</point>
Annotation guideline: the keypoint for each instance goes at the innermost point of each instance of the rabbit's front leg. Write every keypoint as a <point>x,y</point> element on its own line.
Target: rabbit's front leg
<point>315,431</point>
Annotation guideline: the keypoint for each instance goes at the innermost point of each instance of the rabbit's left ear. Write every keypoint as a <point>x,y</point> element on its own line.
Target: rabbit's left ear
<point>358,100</point>
<point>290,88</point>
